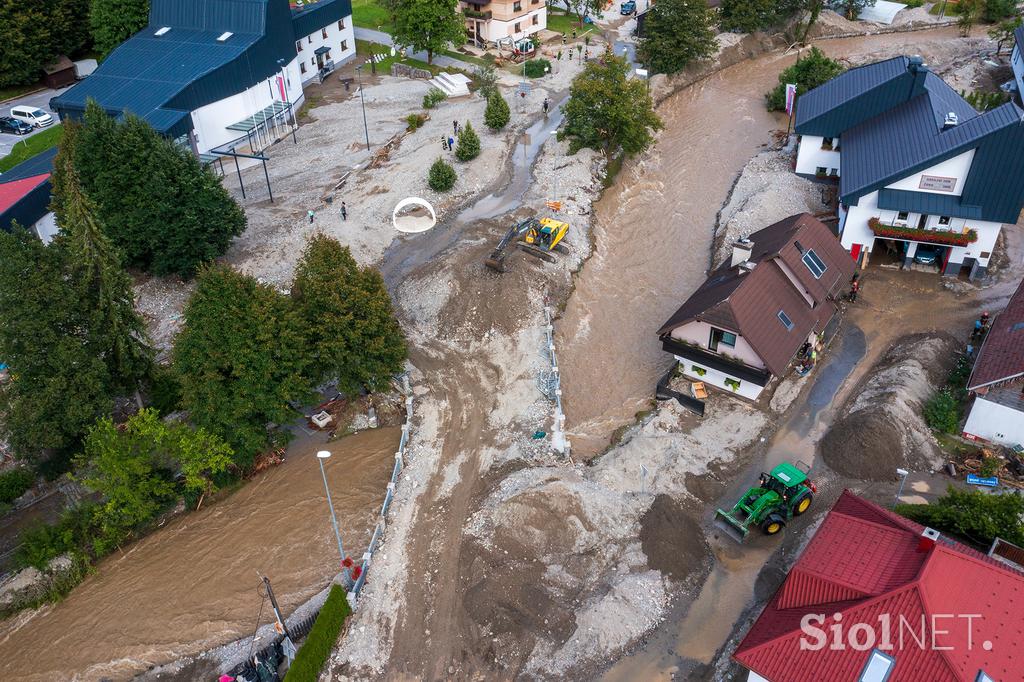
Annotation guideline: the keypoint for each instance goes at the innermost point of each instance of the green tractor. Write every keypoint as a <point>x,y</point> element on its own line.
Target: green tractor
<point>779,496</point>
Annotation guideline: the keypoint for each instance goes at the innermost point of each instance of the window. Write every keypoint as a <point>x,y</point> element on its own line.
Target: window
<point>298,46</point>
<point>821,171</point>
<point>341,24</point>
<point>719,336</point>
<point>878,667</point>
<point>309,39</point>
<point>302,67</point>
<point>943,220</point>
<point>814,264</point>
<point>323,33</point>
<point>517,6</point>
<point>517,28</point>
<point>312,62</point>
<point>826,143</point>
<point>833,172</point>
<point>903,216</point>
<point>784,319</point>
<point>536,20</point>
<point>344,45</point>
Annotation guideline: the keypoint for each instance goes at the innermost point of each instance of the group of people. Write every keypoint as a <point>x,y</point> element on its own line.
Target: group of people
<point>448,141</point>
<point>311,214</point>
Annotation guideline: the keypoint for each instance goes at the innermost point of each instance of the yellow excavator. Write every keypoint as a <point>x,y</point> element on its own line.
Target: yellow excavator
<point>539,238</point>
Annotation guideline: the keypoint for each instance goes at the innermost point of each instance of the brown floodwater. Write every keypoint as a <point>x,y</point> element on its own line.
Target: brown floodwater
<point>653,232</point>
<point>193,584</point>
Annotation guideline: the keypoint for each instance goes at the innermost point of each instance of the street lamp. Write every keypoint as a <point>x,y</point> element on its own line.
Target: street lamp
<point>359,71</point>
<point>902,473</point>
<point>321,456</point>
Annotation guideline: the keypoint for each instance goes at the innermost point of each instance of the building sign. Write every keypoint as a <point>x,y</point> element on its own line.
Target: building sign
<point>974,479</point>
<point>937,183</point>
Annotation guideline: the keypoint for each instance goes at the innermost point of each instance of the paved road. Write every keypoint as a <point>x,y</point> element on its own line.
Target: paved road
<point>39,99</point>
<point>385,39</point>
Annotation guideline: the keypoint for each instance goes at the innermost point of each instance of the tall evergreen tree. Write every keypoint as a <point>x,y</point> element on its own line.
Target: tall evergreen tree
<point>677,33</point>
<point>430,25</point>
<point>165,211</point>
<point>34,34</point>
<point>118,334</point>
<point>114,21</point>
<point>59,385</point>
<point>241,358</point>
<point>348,319</point>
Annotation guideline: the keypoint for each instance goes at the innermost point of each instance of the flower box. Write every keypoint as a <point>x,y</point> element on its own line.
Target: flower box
<point>964,238</point>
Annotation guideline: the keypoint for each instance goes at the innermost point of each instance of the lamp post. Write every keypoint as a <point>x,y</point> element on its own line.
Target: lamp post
<point>902,473</point>
<point>362,101</point>
<point>321,456</point>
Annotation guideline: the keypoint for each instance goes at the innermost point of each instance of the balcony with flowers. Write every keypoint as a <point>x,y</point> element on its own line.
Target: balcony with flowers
<point>944,237</point>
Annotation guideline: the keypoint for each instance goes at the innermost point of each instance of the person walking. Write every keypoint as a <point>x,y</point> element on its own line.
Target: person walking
<point>455,127</point>
<point>854,288</point>
<point>444,142</point>
<point>344,211</point>
<point>451,143</point>
<point>546,104</point>
<point>311,215</point>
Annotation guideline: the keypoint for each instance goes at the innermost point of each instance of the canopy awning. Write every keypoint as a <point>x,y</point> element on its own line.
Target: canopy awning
<point>260,118</point>
<point>321,50</point>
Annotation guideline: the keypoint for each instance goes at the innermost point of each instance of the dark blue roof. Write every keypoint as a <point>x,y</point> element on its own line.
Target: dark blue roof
<point>37,165</point>
<point>163,78</point>
<point>929,203</point>
<point>315,14</point>
<point>36,203</point>
<point>853,97</point>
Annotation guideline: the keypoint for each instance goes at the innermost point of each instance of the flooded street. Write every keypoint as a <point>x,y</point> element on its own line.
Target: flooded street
<point>193,584</point>
<point>654,230</point>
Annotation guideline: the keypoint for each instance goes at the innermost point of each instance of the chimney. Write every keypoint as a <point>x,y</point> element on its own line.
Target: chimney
<point>917,68</point>
<point>929,536</point>
<point>741,249</point>
<point>950,121</point>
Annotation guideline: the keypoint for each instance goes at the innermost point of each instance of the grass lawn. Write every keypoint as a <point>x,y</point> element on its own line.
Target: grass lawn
<point>472,59</point>
<point>368,14</point>
<point>18,90</point>
<point>365,47</point>
<point>560,22</point>
<point>28,147</point>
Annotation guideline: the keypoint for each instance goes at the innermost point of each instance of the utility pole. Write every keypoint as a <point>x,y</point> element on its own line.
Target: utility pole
<point>277,610</point>
<point>362,101</point>
<point>321,456</point>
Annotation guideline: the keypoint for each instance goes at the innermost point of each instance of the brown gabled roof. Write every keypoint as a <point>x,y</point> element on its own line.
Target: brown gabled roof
<point>748,302</point>
<point>1002,354</point>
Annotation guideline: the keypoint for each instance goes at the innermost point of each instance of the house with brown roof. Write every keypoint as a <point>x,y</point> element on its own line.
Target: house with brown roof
<point>747,321</point>
<point>875,597</point>
<point>997,380</point>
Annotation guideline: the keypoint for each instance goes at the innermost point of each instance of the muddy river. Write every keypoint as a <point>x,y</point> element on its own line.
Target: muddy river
<point>193,584</point>
<point>654,227</point>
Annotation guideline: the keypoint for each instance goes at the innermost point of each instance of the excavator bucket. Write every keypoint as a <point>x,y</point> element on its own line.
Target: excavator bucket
<point>496,263</point>
<point>725,522</point>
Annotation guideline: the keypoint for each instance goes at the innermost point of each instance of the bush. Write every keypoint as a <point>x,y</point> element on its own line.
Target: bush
<point>942,412</point>
<point>313,654</point>
<point>433,98</point>
<point>487,80</point>
<point>983,101</point>
<point>414,121</point>
<point>535,68</point>
<point>979,517</point>
<point>73,533</point>
<point>914,4</point>
<point>14,484</point>
<point>808,73</point>
<point>468,146</point>
<point>996,10</point>
<point>164,390</point>
<point>497,113</point>
<point>442,176</point>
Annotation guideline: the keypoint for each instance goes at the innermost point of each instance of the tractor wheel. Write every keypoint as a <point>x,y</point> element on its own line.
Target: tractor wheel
<point>773,524</point>
<point>803,504</point>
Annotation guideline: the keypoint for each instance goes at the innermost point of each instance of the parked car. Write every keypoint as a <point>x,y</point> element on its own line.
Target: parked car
<point>627,7</point>
<point>32,115</point>
<point>927,255</point>
<point>14,126</point>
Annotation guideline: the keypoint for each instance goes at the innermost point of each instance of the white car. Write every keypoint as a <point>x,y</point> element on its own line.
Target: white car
<point>34,116</point>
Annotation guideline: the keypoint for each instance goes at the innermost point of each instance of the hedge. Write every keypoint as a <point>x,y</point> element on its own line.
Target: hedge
<point>321,639</point>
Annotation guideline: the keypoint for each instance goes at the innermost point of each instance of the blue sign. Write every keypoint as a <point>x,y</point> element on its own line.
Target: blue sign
<point>975,479</point>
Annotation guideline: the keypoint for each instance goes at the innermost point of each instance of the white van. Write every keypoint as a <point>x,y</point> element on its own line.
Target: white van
<point>34,116</point>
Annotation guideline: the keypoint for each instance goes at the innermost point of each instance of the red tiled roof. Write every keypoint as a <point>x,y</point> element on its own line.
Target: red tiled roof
<point>1002,354</point>
<point>14,191</point>
<point>863,563</point>
<point>748,303</point>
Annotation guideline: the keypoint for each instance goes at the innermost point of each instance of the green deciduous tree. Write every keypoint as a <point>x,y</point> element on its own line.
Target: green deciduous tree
<point>34,34</point>
<point>59,384</point>
<point>468,146</point>
<point>608,111</point>
<point>677,33</point>
<point>997,10</point>
<point>979,517</point>
<point>808,73</point>
<point>583,8</point>
<point>747,16</point>
<point>968,12</point>
<point>1003,32</point>
<point>118,334</point>
<point>124,466</point>
<point>497,113</point>
<point>441,176</point>
<point>241,358</point>
<point>429,25</point>
<point>166,212</point>
<point>486,80</point>
<point>852,8</point>
<point>349,323</point>
<point>114,21</point>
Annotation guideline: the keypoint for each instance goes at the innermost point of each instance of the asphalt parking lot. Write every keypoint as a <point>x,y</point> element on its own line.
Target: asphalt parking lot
<point>39,99</point>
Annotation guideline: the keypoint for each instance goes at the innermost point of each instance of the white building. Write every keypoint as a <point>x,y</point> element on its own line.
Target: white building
<point>1017,59</point>
<point>922,175</point>
<point>752,315</point>
<point>218,72</point>
<point>997,380</point>
<point>489,22</point>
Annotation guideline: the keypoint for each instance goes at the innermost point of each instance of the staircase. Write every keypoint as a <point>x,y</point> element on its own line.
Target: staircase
<point>451,84</point>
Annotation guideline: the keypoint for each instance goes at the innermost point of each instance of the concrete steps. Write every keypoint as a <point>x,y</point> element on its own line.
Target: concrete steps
<point>451,84</point>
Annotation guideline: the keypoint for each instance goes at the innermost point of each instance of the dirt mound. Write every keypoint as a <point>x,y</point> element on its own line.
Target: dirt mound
<point>883,428</point>
<point>672,539</point>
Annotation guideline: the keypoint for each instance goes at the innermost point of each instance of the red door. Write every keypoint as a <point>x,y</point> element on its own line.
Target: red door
<point>855,252</point>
